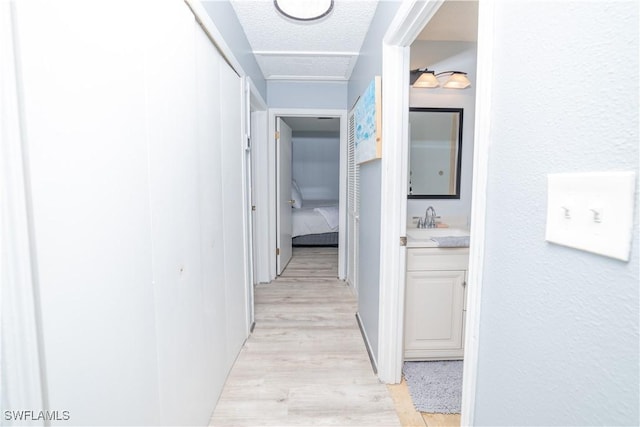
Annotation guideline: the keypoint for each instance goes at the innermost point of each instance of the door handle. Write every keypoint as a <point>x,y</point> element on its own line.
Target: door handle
<point>291,202</point>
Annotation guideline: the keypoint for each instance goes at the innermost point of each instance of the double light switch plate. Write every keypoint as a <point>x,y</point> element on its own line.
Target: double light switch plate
<point>592,211</point>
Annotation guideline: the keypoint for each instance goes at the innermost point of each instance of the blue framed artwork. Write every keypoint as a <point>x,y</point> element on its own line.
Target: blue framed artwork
<point>368,123</point>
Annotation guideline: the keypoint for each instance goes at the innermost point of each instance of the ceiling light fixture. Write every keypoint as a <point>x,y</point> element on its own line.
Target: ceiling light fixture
<point>423,77</point>
<point>304,10</point>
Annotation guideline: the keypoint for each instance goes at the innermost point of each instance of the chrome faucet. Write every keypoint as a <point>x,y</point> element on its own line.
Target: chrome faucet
<point>429,220</point>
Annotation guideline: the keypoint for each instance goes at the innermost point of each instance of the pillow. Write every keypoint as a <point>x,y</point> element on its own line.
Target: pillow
<point>296,196</point>
<point>294,184</point>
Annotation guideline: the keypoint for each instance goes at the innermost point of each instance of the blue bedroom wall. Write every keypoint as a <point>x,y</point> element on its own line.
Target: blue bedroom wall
<point>316,164</point>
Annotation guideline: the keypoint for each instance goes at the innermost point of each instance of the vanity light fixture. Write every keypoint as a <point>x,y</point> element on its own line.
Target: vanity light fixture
<point>304,10</point>
<point>423,77</point>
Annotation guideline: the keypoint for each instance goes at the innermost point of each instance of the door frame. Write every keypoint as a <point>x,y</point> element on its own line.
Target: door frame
<point>254,113</point>
<point>409,20</point>
<point>271,179</point>
<point>261,219</point>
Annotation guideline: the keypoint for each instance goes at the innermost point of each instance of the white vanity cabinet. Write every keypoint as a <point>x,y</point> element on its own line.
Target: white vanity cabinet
<point>435,303</point>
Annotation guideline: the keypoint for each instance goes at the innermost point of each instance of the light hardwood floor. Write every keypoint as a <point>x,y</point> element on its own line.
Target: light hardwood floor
<point>408,415</point>
<point>305,362</point>
<point>312,262</point>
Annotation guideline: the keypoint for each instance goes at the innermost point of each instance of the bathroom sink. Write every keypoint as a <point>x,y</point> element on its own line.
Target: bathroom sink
<point>433,237</point>
<point>428,233</point>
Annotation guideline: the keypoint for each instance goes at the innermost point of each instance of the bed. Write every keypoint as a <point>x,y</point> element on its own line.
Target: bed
<point>315,223</point>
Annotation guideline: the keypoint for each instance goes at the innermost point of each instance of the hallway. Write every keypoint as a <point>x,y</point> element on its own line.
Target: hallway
<point>305,363</point>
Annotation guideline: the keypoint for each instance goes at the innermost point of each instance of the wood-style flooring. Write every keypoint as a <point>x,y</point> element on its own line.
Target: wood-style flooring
<point>408,415</point>
<point>312,262</point>
<point>305,364</point>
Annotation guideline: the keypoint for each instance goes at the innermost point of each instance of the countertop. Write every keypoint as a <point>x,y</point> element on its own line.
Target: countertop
<point>437,238</point>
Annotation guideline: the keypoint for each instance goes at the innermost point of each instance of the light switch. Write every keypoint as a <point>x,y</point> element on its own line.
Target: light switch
<point>592,211</point>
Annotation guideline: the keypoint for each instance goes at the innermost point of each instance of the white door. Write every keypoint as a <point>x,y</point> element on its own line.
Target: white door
<point>283,173</point>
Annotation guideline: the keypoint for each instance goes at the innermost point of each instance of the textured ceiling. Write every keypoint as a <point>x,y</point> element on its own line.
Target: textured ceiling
<point>288,50</point>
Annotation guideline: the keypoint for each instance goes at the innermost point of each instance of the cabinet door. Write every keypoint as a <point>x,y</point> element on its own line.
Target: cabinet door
<point>434,314</point>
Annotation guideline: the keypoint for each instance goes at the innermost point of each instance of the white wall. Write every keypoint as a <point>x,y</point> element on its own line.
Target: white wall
<point>558,341</point>
<point>138,268</point>
<point>443,56</point>
<point>316,164</point>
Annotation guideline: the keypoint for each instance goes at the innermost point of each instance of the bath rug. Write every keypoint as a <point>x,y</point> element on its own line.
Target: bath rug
<point>435,387</point>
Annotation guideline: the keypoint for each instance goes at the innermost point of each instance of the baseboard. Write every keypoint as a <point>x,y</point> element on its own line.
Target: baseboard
<point>372,359</point>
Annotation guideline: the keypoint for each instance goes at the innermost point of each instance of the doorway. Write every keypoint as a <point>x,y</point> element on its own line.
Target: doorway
<point>318,170</point>
<point>308,189</point>
<point>410,20</point>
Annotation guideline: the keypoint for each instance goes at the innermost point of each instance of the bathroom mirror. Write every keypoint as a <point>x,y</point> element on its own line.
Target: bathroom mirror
<point>435,147</point>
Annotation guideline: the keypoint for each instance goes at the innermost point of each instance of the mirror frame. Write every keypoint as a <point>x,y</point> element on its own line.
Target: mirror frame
<point>458,160</point>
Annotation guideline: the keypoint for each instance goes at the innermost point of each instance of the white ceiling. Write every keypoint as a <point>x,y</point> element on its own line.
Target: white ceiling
<point>327,50</point>
<point>288,50</point>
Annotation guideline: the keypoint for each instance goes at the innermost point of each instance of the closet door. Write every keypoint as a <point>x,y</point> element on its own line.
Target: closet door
<point>135,169</point>
<point>82,88</point>
<point>176,199</point>
<point>231,95</point>
<point>196,180</point>
<point>209,145</point>
<point>353,197</point>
